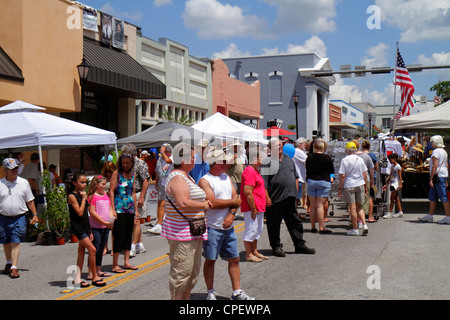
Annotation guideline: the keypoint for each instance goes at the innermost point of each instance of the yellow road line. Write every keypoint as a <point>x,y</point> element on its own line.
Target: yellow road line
<point>121,275</point>
<point>128,276</point>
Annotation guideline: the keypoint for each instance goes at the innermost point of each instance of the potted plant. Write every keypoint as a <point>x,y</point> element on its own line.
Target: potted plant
<point>56,210</point>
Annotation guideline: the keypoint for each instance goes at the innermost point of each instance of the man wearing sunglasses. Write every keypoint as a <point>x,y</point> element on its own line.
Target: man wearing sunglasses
<point>16,198</point>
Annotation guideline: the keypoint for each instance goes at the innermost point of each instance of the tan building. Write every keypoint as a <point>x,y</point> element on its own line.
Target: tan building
<point>43,42</point>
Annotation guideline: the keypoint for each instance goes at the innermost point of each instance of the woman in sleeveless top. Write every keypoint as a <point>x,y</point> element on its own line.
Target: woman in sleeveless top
<point>123,200</point>
<point>185,252</point>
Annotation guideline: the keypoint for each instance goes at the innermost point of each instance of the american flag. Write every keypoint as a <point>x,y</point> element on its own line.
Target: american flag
<point>402,79</point>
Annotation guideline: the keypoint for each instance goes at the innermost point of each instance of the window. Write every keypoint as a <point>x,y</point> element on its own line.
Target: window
<point>275,87</point>
<point>386,122</point>
<point>152,110</point>
<point>144,109</point>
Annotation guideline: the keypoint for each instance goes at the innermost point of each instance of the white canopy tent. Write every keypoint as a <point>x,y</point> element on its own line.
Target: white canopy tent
<point>435,118</point>
<point>224,127</point>
<point>24,127</point>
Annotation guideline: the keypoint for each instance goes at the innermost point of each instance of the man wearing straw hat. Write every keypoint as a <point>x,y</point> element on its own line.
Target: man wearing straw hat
<point>16,198</point>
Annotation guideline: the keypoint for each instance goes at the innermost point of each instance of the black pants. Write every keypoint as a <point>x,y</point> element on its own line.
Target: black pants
<point>123,231</point>
<point>287,210</point>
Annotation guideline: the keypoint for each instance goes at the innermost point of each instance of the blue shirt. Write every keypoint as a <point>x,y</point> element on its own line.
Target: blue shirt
<point>200,169</point>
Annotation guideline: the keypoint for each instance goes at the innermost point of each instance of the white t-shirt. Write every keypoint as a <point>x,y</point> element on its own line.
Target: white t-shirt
<point>394,178</point>
<point>353,167</point>
<point>163,169</point>
<point>299,160</point>
<point>442,168</point>
<point>14,196</point>
<point>390,146</point>
<point>221,185</point>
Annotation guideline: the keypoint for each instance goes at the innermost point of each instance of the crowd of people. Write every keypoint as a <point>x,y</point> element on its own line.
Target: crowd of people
<point>200,190</point>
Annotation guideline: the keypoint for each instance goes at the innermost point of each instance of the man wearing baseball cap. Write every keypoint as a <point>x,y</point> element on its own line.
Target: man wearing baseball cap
<point>16,198</point>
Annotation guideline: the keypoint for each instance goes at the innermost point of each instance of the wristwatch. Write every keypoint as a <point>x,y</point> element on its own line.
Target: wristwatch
<point>232,212</point>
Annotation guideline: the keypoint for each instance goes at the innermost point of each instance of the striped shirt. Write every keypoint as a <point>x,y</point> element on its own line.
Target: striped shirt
<point>175,227</point>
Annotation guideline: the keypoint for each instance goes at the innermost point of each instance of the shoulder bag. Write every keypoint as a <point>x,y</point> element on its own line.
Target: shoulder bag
<point>197,226</point>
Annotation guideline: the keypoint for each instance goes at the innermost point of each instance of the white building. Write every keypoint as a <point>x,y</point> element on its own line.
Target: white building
<point>188,82</point>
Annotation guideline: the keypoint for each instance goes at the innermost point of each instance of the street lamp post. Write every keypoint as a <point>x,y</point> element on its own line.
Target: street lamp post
<point>83,71</point>
<point>295,98</point>
<point>370,125</point>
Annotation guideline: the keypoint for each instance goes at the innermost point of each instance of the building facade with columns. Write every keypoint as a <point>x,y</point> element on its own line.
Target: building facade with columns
<point>280,76</point>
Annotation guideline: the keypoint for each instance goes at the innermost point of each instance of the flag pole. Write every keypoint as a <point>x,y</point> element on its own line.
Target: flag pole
<point>395,90</point>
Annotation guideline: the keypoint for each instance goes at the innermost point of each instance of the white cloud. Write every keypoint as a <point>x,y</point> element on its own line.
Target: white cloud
<point>212,19</point>
<point>232,51</point>
<point>377,56</point>
<point>353,93</point>
<point>438,58</point>
<point>160,3</point>
<point>216,19</point>
<point>304,15</point>
<point>417,19</point>
<point>313,44</point>
<point>108,8</point>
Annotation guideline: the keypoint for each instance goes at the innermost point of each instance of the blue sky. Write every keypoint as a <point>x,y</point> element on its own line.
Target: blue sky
<point>336,29</point>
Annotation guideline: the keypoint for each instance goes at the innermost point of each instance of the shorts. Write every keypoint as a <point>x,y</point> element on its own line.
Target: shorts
<point>353,194</point>
<point>142,210</point>
<point>439,191</point>
<point>161,192</point>
<point>318,188</point>
<point>253,228</point>
<point>82,235</point>
<point>300,189</point>
<point>223,242</point>
<point>185,265</point>
<point>13,229</point>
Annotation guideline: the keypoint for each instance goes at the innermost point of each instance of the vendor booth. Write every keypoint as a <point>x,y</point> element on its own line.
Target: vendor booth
<point>24,127</point>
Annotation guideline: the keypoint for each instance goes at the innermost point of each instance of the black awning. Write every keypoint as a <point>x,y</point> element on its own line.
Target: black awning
<point>116,72</point>
<point>8,68</point>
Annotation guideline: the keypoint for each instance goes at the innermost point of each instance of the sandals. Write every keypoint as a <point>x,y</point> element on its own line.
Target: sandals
<point>99,283</point>
<point>118,270</point>
<point>131,268</point>
<point>104,274</point>
<point>82,284</point>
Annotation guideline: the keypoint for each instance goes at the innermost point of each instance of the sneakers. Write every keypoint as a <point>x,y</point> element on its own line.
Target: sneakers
<point>398,215</point>
<point>353,232</point>
<point>388,215</point>
<point>446,220</point>
<point>241,296</point>
<point>140,248</point>
<point>427,218</point>
<point>365,229</point>
<point>211,295</point>
<point>155,230</point>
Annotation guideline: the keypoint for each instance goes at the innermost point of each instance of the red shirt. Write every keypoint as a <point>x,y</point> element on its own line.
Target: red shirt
<point>252,177</point>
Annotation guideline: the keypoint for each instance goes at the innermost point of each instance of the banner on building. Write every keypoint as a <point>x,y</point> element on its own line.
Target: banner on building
<point>118,39</point>
<point>90,19</point>
<point>107,28</point>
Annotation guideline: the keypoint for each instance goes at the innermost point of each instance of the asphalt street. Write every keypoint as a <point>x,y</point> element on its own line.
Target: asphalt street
<point>400,259</point>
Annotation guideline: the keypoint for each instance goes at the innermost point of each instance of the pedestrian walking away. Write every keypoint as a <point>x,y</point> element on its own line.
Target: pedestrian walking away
<point>319,168</point>
<point>222,240</point>
<point>81,228</point>
<point>353,187</point>
<point>281,182</point>
<point>164,166</point>
<point>16,199</point>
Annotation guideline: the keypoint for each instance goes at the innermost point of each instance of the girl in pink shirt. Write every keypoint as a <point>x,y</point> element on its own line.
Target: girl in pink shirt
<point>101,217</point>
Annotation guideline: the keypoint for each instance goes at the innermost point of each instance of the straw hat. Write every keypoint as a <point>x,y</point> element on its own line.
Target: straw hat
<point>418,147</point>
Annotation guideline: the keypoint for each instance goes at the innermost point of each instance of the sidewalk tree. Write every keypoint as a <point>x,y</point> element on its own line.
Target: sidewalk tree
<point>442,89</point>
